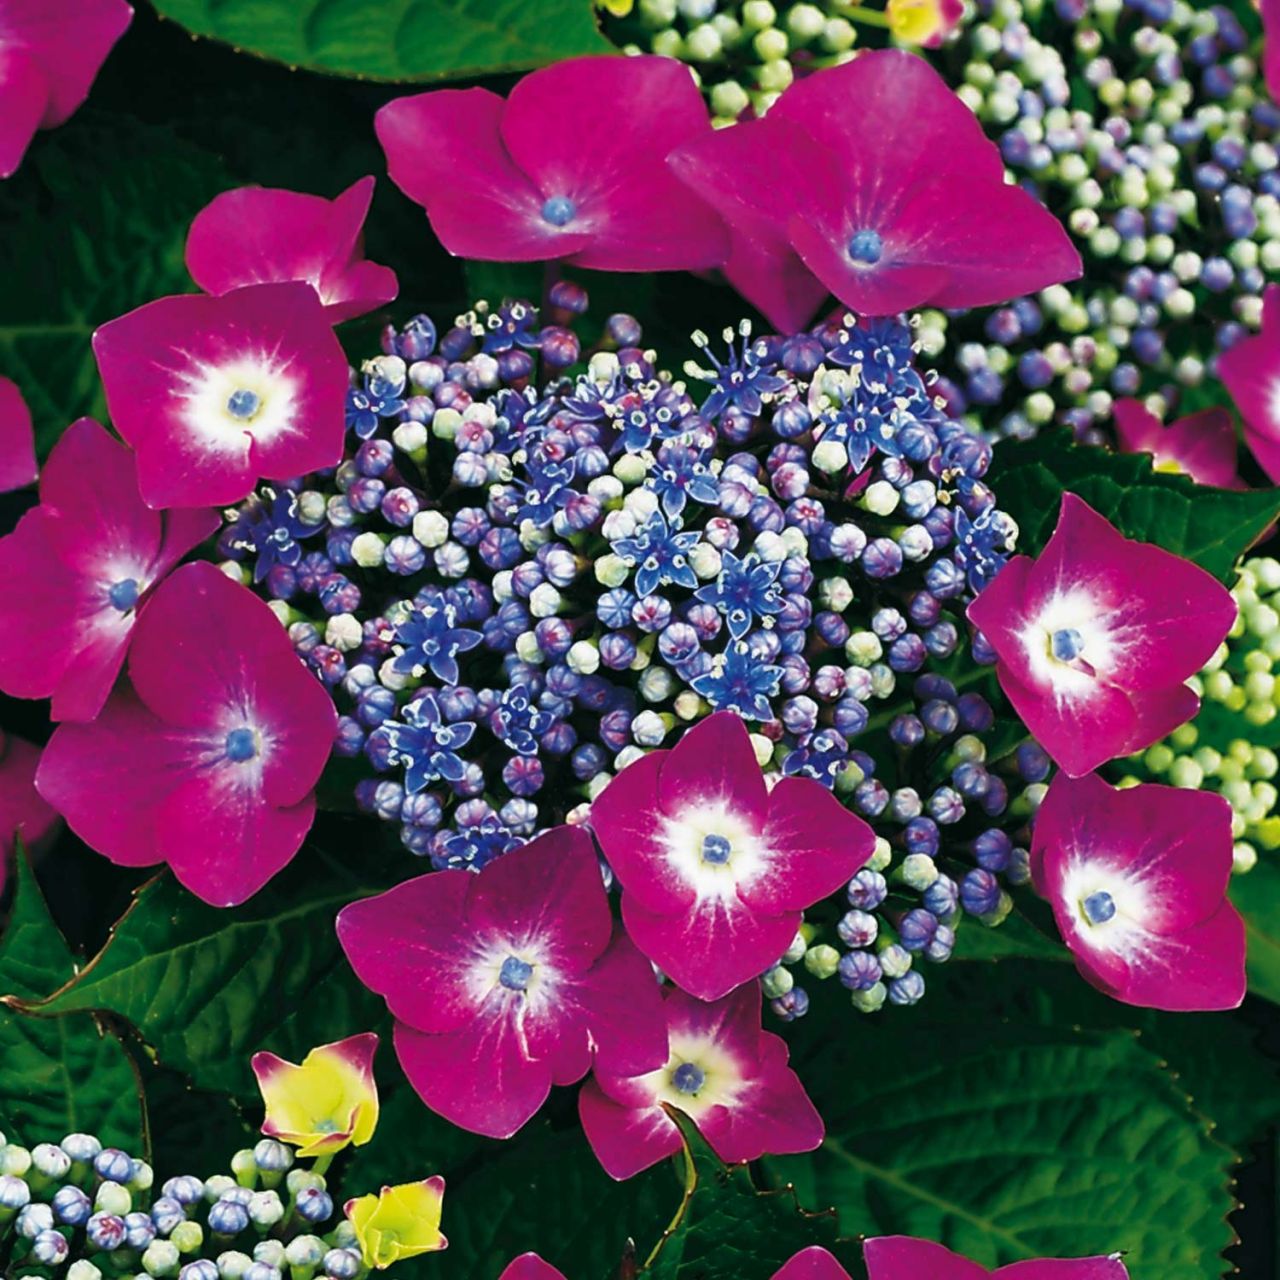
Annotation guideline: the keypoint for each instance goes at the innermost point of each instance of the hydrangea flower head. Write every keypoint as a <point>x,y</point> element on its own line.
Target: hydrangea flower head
<point>399,1222</point>
<point>215,394</point>
<point>546,173</point>
<point>1095,638</point>
<point>45,74</point>
<point>905,1258</point>
<point>1250,371</point>
<point>257,235</point>
<point>24,813</point>
<point>1202,445</point>
<point>507,981</point>
<point>875,180</point>
<point>17,440</point>
<point>716,867</point>
<point>1137,878</point>
<point>923,22</point>
<point>326,1102</point>
<point>727,1074</point>
<point>209,759</point>
<point>80,567</point>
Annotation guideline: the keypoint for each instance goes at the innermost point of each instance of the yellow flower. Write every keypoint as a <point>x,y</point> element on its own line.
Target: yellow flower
<point>619,8</point>
<point>399,1222</point>
<point>924,22</point>
<point>325,1103</point>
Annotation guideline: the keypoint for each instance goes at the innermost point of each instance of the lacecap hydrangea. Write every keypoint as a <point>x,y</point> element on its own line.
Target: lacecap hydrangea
<point>519,581</point>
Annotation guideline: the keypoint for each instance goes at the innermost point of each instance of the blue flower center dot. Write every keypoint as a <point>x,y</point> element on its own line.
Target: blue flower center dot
<point>688,1077</point>
<point>866,247</point>
<point>559,211</point>
<point>123,594</point>
<point>716,850</point>
<point>515,974</point>
<point>1066,644</point>
<point>241,745</point>
<point>243,403</point>
<point>1098,907</point>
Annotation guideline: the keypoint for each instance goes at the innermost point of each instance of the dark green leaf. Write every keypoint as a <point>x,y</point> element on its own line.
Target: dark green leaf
<point>1015,936</point>
<point>57,1075</point>
<point>399,39</point>
<point>88,232</point>
<point>727,1228</point>
<point>1008,1140</point>
<point>207,987</point>
<point>1213,527</point>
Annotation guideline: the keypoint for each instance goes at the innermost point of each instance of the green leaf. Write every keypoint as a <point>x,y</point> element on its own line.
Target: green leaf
<point>1213,527</point>
<point>1256,896</point>
<point>207,987</point>
<point>725,1227</point>
<point>57,1075</point>
<point>1009,1140</point>
<point>1015,937</point>
<point>399,39</point>
<point>542,1190</point>
<point>88,232</point>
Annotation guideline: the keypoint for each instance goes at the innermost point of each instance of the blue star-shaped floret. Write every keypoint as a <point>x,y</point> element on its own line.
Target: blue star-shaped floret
<point>426,745</point>
<point>512,325</point>
<point>432,642</point>
<point>270,525</point>
<point>367,405</point>
<point>642,419</point>
<point>745,589</point>
<point>659,554</point>
<point>821,755</point>
<point>743,380</point>
<point>681,474</point>
<point>739,682</point>
<point>546,490</point>
<point>980,547</point>
<point>519,722</point>
<point>473,847</point>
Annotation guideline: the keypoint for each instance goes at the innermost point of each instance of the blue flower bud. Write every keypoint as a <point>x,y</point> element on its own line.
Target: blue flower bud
<point>105,1231</point>
<point>113,1164</point>
<point>50,1248</point>
<point>14,1192</point>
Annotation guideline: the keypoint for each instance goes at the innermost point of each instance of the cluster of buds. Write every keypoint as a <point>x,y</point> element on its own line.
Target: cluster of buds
<point>86,1210</point>
<point>1230,746</point>
<point>1148,131</point>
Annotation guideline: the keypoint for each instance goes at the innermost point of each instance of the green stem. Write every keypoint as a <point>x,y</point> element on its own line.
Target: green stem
<point>860,13</point>
<point>321,1166</point>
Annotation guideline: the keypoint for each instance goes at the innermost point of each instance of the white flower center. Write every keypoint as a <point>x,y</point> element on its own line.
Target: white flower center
<point>251,395</point>
<point>713,848</point>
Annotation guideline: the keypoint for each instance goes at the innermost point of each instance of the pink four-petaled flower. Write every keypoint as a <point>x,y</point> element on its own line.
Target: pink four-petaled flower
<point>259,235</point>
<point>1271,46</point>
<point>209,760</point>
<point>17,440</point>
<point>1251,372</point>
<point>554,171</point>
<point>80,567</point>
<point>723,1070</point>
<point>1096,637</point>
<point>217,393</point>
<point>1201,445</point>
<point>874,181</point>
<point>50,54</point>
<point>715,867</point>
<point>1137,878</point>
<point>506,982</point>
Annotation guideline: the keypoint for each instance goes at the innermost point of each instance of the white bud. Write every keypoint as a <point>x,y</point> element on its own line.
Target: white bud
<point>111,1197</point>
<point>234,570</point>
<point>612,571</point>
<point>770,547</point>
<point>445,424</point>
<point>704,560</point>
<point>282,611</point>
<point>410,437</point>
<point>881,498</point>
<point>763,749</point>
<point>545,601</point>
<point>583,658</point>
<point>368,550</point>
<point>388,675</point>
<point>502,588</point>
<point>918,871</point>
<point>430,528</point>
<point>642,503</point>
<point>830,456</point>
<point>344,632</point>
<point>265,1208</point>
<point>390,368</point>
<point>598,784</point>
<point>605,488</point>
<point>648,729</point>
